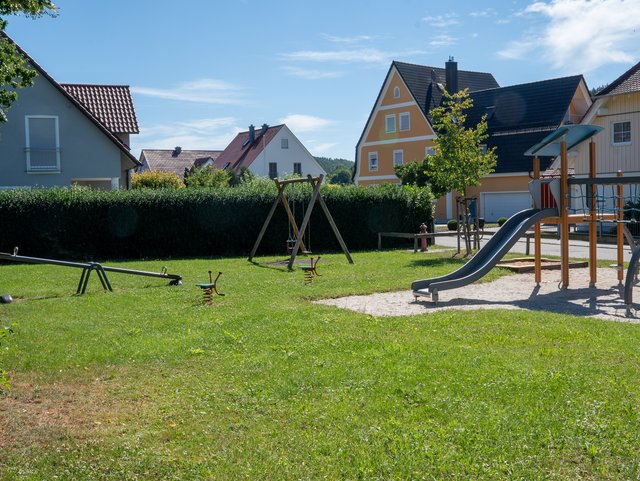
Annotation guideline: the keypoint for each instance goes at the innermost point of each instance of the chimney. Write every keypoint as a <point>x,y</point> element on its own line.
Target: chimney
<point>176,151</point>
<point>451,76</point>
<point>252,134</point>
<point>265,127</point>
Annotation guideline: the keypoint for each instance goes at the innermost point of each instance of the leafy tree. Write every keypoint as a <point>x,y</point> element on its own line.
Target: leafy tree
<point>208,176</point>
<point>460,160</point>
<point>341,175</point>
<point>243,177</point>
<point>153,179</point>
<point>416,173</point>
<point>14,71</point>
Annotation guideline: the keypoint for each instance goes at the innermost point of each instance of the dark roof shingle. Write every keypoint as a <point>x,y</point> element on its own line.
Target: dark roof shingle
<point>110,104</point>
<point>239,153</point>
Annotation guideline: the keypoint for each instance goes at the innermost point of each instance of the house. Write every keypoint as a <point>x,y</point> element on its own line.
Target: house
<point>269,151</point>
<point>616,108</point>
<point>67,134</point>
<point>399,128</point>
<point>176,160</point>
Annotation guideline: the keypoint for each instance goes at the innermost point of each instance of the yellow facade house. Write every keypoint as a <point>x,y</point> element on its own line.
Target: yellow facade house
<point>399,130</point>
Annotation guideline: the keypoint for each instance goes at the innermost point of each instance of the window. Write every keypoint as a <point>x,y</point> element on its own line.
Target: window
<point>429,151</point>
<point>297,168</point>
<point>373,161</point>
<point>284,143</point>
<point>390,122</point>
<point>273,170</point>
<point>396,92</point>
<point>398,157</point>
<point>621,133</point>
<point>405,123</point>
<point>42,143</point>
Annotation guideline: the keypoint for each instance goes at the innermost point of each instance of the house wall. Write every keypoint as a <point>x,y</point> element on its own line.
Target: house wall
<point>86,153</point>
<point>285,158</point>
<point>413,142</point>
<point>609,157</point>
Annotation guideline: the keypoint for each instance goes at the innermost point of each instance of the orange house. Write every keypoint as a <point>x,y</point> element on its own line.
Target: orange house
<point>399,130</point>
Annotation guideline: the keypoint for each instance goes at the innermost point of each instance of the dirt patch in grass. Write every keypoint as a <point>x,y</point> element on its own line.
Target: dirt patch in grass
<point>40,414</point>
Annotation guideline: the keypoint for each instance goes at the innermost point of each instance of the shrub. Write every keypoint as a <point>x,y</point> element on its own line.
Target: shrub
<point>501,221</point>
<point>153,179</point>
<point>98,225</point>
<point>452,224</point>
<point>208,176</point>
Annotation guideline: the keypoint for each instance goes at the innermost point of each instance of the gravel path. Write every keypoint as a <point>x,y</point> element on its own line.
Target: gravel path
<point>517,291</point>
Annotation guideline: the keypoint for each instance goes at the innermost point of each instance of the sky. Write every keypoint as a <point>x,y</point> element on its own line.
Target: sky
<point>201,71</point>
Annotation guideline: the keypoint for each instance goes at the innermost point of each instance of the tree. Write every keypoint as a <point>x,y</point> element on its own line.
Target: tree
<point>14,71</point>
<point>417,173</point>
<point>208,176</point>
<point>341,175</point>
<point>153,179</point>
<point>460,159</point>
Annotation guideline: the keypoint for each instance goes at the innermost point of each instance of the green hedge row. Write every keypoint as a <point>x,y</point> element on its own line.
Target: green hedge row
<point>93,225</point>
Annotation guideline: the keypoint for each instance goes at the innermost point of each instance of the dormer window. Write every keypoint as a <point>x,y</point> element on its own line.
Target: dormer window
<point>396,92</point>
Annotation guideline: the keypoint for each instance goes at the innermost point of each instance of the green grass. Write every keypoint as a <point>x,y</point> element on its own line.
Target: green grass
<point>147,383</point>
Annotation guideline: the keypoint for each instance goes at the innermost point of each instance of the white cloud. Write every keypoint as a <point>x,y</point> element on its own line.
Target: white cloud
<point>581,35</point>
<point>352,39</point>
<point>366,55</point>
<point>208,91</point>
<point>442,41</point>
<point>441,21</point>
<point>305,123</point>
<point>489,12</point>
<point>320,148</point>
<point>199,134</point>
<point>311,74</point>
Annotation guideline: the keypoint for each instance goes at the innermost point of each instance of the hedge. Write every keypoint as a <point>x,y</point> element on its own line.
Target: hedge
<point>74,223</point>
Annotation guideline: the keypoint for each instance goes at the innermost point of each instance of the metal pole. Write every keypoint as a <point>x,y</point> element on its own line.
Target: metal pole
<point>537,245</point>
<point>564,214</point>
<point>619,231</point>
<point>593,226</point>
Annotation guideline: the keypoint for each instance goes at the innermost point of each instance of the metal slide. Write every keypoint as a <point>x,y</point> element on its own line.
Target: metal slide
<point>486,258</point>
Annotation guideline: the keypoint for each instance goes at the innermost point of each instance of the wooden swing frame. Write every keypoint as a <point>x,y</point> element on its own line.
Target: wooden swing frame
<point>315,182</point>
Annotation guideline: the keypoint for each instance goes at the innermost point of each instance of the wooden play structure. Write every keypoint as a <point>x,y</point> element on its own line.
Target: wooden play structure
<point>554,202</point>
<point>298,243</point>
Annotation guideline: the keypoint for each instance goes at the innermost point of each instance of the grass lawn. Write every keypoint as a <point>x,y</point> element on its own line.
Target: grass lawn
<point>147,383</point>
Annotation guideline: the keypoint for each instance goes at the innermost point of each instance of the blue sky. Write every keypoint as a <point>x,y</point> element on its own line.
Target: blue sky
<point>201,71</point>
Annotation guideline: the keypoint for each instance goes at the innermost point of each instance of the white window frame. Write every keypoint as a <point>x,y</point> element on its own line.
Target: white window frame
<point>299,164</point>
<point>27,149</point>
<point>395,160</point>
<point>386,123</point>
<point>284,143</point>
<point>373,161</point>
<point>613,133</point>
<point>269,172</point>
<point>408,117</point>
<point>396,92</point>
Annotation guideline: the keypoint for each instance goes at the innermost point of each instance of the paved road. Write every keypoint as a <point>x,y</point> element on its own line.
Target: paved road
<point>551,247</point>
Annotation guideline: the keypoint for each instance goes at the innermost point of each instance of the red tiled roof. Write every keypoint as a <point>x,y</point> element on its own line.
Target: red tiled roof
<point>110,104</point>
<point>170,161</point>
<point>238,155</point>
<point>627,82</point>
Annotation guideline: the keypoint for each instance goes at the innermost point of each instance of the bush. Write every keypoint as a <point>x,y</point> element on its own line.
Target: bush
<point>452,224</point>
<point>153,179</point>
<point>208,176</point>
<point>501,221</point>
<point>98,225</point>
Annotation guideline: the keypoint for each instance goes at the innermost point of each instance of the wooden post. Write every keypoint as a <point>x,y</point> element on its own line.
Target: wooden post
<point>537,247</point>
<point>564,214</point>
<point>305,221</point>
<point>620,229</point>
<point>593,225</point>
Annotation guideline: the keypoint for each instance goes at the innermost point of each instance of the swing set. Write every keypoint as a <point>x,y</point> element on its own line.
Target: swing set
<point>295,242</point>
